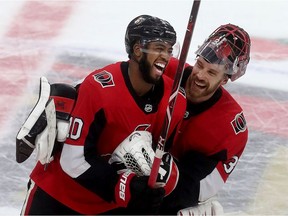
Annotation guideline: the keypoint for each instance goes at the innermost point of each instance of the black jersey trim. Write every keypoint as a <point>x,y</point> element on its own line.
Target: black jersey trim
<point>152,97</point>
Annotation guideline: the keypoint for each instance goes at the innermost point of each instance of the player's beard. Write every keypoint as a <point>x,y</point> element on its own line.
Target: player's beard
<point>197,95</point>
<point>145,69</point>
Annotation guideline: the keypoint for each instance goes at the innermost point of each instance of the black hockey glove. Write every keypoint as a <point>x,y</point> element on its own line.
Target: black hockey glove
<point>134,193</point>
<point>144,199</point>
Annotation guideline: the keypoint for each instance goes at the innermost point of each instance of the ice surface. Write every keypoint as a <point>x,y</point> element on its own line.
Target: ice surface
<point>65,40</point>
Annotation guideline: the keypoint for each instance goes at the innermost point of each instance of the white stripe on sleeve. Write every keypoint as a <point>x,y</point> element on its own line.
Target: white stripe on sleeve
<point>210,185</point>
<point>73,161</point>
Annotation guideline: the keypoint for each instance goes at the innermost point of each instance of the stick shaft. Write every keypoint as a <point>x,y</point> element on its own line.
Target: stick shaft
<point>173,96</point>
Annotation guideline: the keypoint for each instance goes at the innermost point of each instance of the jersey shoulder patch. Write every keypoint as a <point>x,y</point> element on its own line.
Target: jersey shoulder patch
<point>104,78</point>
<point>239,123</point>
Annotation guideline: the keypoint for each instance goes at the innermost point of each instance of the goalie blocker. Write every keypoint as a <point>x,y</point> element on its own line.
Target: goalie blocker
<point>41,123</point>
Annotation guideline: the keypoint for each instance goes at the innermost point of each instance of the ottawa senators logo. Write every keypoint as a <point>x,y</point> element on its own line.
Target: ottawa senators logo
<point>105,79</point>
<point>239,123</point>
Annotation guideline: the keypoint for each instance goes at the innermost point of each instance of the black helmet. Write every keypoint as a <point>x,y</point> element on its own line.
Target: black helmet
<point>147,28</point>
<point>229,45</point>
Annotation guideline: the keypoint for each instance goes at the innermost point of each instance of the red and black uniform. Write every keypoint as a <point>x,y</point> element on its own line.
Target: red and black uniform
<point>207,146</point>
<point>107,110</point>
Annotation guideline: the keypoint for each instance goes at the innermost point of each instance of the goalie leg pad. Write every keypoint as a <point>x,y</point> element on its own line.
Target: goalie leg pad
<point>34,124</point>
<point>32,133</point>
<point>46,140</point>
<point>209,207</point>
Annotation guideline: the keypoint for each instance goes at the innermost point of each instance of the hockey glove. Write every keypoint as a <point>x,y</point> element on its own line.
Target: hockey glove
<point>135,153</point>
<point>134,193</point>
<point>168,174</point>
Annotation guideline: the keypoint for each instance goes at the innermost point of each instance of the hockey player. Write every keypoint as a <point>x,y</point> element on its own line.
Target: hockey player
<point>112,103</point>
<point>213,134</point>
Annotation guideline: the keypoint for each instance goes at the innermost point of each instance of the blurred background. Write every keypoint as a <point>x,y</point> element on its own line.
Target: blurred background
<point>66,40</point>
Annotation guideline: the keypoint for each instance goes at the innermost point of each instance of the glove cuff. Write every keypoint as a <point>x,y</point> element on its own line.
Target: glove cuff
<point>122,189</point>
<point>168,174</point>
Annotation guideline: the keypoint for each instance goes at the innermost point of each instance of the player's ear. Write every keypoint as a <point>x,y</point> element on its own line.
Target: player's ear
<point>137,50</point>
<point>225,79</point>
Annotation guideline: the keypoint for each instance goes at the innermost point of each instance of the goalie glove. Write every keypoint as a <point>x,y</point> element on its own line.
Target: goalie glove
<point>208,207</point>
<point>51,111</point>
<point>135,154</point>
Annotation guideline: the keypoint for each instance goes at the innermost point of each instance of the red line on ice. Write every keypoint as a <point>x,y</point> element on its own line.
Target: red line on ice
<point>40,20</point>
<point>36,21</point>
<point>268,49</point>
<point>265,115</point>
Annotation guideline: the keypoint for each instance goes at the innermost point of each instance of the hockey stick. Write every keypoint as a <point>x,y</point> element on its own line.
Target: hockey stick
<point>173,96</point>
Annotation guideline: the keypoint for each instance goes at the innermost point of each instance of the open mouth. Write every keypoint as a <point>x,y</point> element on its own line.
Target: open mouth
<point>200,85</point>
<point>160,67</point>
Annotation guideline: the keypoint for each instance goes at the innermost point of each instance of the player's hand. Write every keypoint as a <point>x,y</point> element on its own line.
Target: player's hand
<point>134,153</point>
<point>134,193</point>
<point>168,174</point>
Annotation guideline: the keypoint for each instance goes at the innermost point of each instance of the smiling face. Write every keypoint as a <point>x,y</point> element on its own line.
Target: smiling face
<point>154,60</point>
<point>204,80</point>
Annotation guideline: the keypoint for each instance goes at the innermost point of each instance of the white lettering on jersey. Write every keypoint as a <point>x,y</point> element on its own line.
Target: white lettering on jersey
<point>75,128</point>
<point>228,167</point>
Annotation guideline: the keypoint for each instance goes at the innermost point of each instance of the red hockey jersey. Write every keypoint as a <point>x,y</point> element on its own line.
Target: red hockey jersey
<point>207,145</point>
<point>107,110</point>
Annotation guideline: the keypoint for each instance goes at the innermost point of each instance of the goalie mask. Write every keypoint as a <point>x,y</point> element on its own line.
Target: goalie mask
<point>228,45</point>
